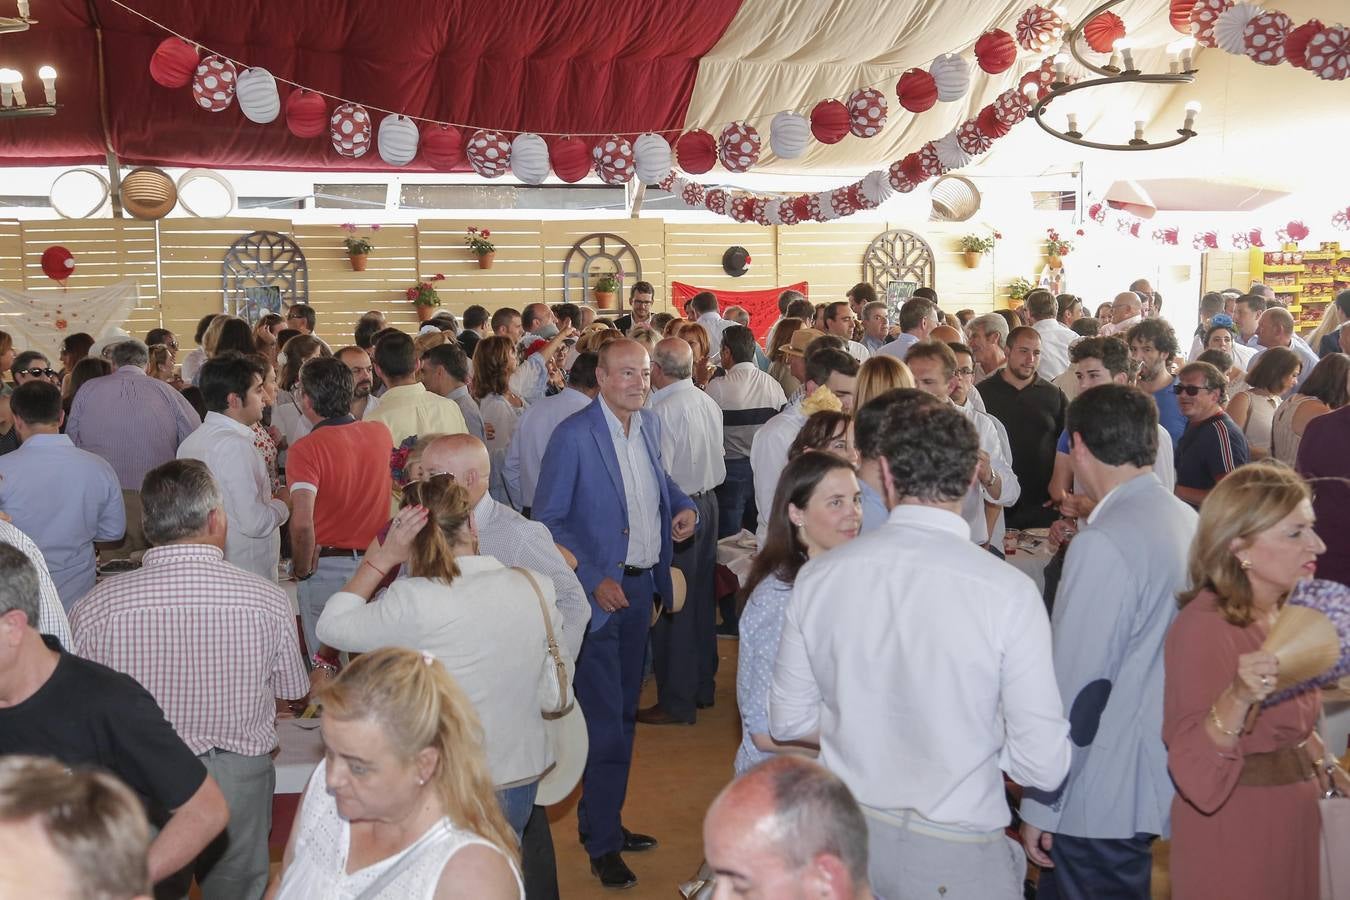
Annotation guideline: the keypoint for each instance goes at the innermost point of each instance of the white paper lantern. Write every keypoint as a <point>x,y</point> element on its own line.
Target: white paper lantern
<point>651,157</point>
<point>397,140</point>
<point>876,187</point>
<point>789,133</point>
<point>950,152</point>
<point>256,91</point>
<point>529,158</point>
<point>349,129</point>
<point>1231,27</point>
<point>952,74</point>
<point>827,211</point>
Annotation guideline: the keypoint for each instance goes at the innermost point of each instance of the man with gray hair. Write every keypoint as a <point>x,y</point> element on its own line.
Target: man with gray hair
<point>135,422</point>
<point>215,646</point>
<point>788,829</point>
<point>988,339</point>
<point>1127,310</point>
<point>1276,329</point>
<point>684,642</point>
<point>918,318</point>
<point>85,715</point>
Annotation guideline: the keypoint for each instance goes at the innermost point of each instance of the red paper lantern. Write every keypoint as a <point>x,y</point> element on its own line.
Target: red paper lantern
<point>489,153</point>
<point>213,84</point>
<point>829,121</point>
<point>692,194</point>
<point>306,114</point>
<point>1180,15</point>
<point>787,212</point>
<point>57,263</point>
<point>1011,106</point>
<point>738,147</point>
<point>571,159</point>
<point>801,208</point>
<point>1296,43</point>
<point>916,90</point>
<point>912,168</point>
<point>1203,16</point>
<point>1038,28</point>
<point>995,51</point>
<point>173,63</point>
<point>441,147</point>
<point>930,162</point>
<point>1042,78</point>
<point>716,201</point>
<point>989,123</point>
<point>1329,55</point>
<point>867,112</point>
<point>614,160</point>
<point>1102,31</point>
<point>696,151</point>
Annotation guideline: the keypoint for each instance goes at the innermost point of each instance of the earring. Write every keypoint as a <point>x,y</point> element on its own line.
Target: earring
<point>1244,564</point>
<point>421,782</point>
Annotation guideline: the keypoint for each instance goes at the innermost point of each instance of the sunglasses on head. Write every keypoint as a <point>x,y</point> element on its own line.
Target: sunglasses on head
<point>1190,390</point>
<point>38,373</point>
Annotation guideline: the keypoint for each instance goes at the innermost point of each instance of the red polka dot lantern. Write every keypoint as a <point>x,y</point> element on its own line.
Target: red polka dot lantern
<point>990,125</point>
<point>571,158</point>
<point>1328,54</point>
<point>1204,16</point>
<point>1038,28</point>
<point>692,194</point>
<point>995,51</point>
<point>829,121</point>
<point>912,167</point>
<point>897,178</point>
<point>715,200</point>
<point>696,151</point>
<point>971,139</point>
<point>173,63</point>
<point>867,112</point>
<point>489,153</point>
<point>1263,40</point>
<point>441,147</point>
<point>614,160</point>
<point>213,84</point>
<point>738,148</point>
<point>916,90</point>
<point>787,212</point>
<point>1011,106</point>
<point>1041,78</point>
<point>349,130</point>
<point>306,114</point>
<point>930,161</point>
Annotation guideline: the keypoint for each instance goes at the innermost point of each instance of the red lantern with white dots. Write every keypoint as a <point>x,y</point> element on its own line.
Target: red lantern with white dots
<point>173,63</point>
<point>489,153</point>
<point>306,114</point>
<point>867,112</point>
<point>692,194</point>
<point>971,139</point>
<point>1011,106</point>
<point>1038,28</point>
<point>897,178</point>
<point>715,200</point>
<point>1263,40</point>
<point>213,84</point>
<point>1329,53</point>
<point>740,207</point>
<point>1204,16</point>
<point>349,130</point>
<point>930,161</point>
<point>614,160</point>
<point>787,212</point>
<point>739,147</point>
<point>990,125</point>
<point>1296,43</point>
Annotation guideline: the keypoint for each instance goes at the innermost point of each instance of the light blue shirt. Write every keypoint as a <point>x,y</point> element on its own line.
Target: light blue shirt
<point>761,627</point>
<point>64,499</point>
<point>535,427</point>
<point>473,417</point>
<point>873,508</point>
<point>899,348</point>
<point>641,492</point>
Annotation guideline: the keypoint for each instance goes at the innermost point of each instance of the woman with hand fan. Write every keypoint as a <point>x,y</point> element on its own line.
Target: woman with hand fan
<point>1245,822</point>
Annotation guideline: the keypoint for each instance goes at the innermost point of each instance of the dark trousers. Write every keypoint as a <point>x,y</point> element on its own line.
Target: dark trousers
<point>607,684</point>
<point>684,644</point>
<point>1098,869</point>
<point>736,499</point>
<point>538,868</point>
<point>1054,571</point>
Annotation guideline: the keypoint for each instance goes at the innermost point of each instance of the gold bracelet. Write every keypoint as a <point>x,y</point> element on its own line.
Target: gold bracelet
<point>1218,723</point>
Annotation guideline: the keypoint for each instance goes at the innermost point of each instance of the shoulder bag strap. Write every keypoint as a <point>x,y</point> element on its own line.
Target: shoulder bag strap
<point>434,837</point>
<point>559,667</point>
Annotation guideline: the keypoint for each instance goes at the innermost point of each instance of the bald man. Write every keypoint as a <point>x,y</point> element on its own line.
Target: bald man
<point>788,829</point>
<point>1275,328</point>
<point>1127,310</point>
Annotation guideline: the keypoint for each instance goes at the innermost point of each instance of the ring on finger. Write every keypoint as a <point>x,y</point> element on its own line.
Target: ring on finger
<point>1265,681</point>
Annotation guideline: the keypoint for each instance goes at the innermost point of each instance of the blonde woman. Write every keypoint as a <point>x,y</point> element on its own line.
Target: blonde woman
<point>483,621</point>
<point>494,362</point>
<point>878,375</point>
<point>778,366</point>
<point>1245,823</point>
<point>401,808</point>
<point>696,336</point>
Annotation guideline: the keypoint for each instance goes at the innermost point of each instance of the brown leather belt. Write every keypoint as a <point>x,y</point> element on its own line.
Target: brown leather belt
<point>1288,765</point>
<point>342,552</point>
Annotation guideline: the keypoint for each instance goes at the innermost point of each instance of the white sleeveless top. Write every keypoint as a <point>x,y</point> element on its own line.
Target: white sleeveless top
<point>318,869</point>
<point>1261,420</point>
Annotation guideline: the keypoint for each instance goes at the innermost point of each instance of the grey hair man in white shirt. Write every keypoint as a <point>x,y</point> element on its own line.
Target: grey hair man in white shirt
<point>931,679</point>
<point>684,643</point>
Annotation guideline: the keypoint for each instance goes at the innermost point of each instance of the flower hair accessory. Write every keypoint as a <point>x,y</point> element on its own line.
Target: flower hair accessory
<point>822,399</point>
<point>427,658</point>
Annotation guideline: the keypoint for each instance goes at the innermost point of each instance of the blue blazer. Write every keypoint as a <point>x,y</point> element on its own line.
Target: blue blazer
<point>581,500</point>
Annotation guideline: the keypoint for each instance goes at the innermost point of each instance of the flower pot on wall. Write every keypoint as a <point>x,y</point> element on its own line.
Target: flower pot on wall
<point>424,312</point>
<point>1054,261</point>
<point>485,260</point>
<point>606,300</point>
<point>358,262</point>
<point>972,259</point>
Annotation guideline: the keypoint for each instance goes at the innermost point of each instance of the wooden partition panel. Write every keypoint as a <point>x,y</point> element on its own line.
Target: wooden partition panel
<point>647,237</point>
<point>694,255</point>
<point>516,276</point>
<point>340,295</point>
<point>191,252</point>
<point>106,251</point>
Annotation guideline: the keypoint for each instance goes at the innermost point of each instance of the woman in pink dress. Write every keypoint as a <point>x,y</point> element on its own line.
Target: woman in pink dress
<point>1245,822</point>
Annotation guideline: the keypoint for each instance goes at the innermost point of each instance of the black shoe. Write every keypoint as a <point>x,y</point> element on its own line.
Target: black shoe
<point>656,715</point>
<point>702,705</point>
<point>637,843</point>
<point>612,871</point>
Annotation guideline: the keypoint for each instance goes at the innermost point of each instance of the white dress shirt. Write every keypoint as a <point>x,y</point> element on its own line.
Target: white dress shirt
<point>533,429</point>
<point>935,675</point>
<point>1120,328</point>
<point>1055,341</point>
<point>253,540</point>
<point>973,401</point>
<point>743,388</point>
<point>691,436</point>
<point>52,615</point>
<point>714,324</point>
<point>641,492</point>
<point>1000,460</point>
<point>768,458</point>
<point>857,350</point>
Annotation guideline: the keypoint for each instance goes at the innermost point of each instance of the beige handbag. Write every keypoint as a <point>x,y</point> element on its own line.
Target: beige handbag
<point>564,684</point>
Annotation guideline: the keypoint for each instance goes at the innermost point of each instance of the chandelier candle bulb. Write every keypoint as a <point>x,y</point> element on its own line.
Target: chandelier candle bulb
<point>1073,124</point>
<point>1125,46</point>
<point>1192,110</point>
<point>1061,61</point>
<point>48,76</point>
<point>1139,130</point>
<point>11,88</point>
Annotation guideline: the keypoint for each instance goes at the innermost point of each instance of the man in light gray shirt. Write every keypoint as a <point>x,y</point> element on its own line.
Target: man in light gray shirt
<point>445,371</point>
<point>1092,836</point>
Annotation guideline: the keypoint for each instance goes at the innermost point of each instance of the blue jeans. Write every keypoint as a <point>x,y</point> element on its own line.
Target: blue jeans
<point>736,499</point>
<point>329,577</point>
<point>517,803</point>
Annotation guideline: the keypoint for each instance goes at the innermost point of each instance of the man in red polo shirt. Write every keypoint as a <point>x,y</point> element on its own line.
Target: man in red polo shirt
<point>340,487</point>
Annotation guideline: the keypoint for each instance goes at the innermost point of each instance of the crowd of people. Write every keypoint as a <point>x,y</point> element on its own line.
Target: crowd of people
<point>514,511</point>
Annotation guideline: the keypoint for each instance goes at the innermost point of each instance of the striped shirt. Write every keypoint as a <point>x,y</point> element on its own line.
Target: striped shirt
<point>213,644</point>
<point>748,398</point>
<point>1209,450</point>
<point>52,615</point>
<point>133,421</point>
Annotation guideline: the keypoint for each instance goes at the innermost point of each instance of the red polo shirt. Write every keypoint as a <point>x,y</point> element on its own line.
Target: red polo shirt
<point>347,468</point>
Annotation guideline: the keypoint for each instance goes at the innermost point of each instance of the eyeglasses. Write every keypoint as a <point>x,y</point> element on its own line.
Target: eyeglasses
<point>37,373</point>
<point>1190,390</point>
<point>965,370</point>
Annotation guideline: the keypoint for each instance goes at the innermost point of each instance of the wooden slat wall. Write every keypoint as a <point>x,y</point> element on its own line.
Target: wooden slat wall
<point>648,237</point>
<point>826,255</point>
<point>191,252</point>
<point>1225,270</point>
<point>106,251</point>
<point>517,274</point>
<point>694,255</point>
<point>11,254</point>
<point>340,296</point>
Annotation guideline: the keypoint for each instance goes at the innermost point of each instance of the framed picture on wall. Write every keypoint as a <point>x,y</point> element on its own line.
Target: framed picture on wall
<point>897,292</point>
<point>258,302</point>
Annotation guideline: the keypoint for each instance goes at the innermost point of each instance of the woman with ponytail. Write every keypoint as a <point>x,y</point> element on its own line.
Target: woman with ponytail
<point>483,621</point>
<point>402,805</point>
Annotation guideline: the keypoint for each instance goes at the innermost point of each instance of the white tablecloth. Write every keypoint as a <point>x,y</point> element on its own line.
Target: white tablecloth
<point>737,553</point>
<point>1032,561</point>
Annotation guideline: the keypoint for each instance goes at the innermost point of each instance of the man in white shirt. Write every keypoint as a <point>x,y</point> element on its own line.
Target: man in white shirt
<point>52,615</point>
<point>536,425</point>
<point>1247,311</point>
<point>942,630</point>
<point>933,365</point>
<point>840,321</point>
<point>964,396</point>
<point>918,318</point>
<point>988,337</point>
<point>1127,310</point>
<point>1055,337</point>
<point>704,305</point>
<point>748,398</point>
<point>684,643</point>
<point>825,367</point>
<point>1276,329</point>
<point>231,385</point>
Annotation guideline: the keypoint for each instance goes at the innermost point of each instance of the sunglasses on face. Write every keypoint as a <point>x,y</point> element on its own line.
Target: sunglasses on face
<point>38,373</point>
<point>1190,390</point>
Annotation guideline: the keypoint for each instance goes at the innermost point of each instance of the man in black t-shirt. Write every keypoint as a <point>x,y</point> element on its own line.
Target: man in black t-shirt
<point>55,704</point>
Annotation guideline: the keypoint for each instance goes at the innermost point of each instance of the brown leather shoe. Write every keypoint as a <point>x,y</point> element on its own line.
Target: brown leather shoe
<point>656,715</point>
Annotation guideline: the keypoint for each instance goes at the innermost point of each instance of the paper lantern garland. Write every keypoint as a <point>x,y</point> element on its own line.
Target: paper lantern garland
<point>951,75</point>
<point>213,84</point>
<point>651,157</point>
<point>995,51</point>
<point>614,160</point>
<point>788,134</point>
<point>1263,40</point>
<point>349,130</point>
<point>397,140</point>
<point>738,147</point>
<point>950,153</point>
<point>930,161</point>
<point>913,169</point>
<point>916,90</point>
<point>990,125</point>
<point>696,152</point>
<point>716,201</point>
<point>571,158</point>
<point>829,121</point>
<point>306,114</point>
<point>442,147</point>
<point>1296,43</point>
<point>867,112</point>
<point>1341,220</point>
<point>1038,28</point>
<point>1204,16</point>
<point>1042,78</point>
<point>173,63</point>
<point>489,153</point>
<point>529,158</point>
<point>692,193</point>
<point>971,139</point>
<point>1179,14</point>
<point>256,91</point>
<point>1011,106</point>
<point>1231,25</point>
<point>876,188</point>
<point>1103,30</point>
<point>1329,53</point>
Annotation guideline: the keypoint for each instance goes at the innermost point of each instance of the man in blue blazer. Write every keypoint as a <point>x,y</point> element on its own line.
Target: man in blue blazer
<point>605,495</point>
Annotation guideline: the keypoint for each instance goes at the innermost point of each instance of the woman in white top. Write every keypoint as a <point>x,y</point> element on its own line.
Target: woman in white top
<point>1253,408</point>
<point>401,807</point>
<point>481,619</point>
<point>1325,389</point>
<point>494,362</point>
<point>287,416</point>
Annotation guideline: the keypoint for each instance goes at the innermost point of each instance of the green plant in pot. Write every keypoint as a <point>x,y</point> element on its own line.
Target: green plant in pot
<point>973,246</point>
<point>607,288</point>
<point>358,248</point>
<point>425,298</point>
<point>1018,288</point>
<point>477,239</point>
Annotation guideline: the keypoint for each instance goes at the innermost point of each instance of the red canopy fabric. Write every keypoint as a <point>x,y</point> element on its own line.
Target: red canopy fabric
<point>589,66</point>
<point>762,305</point>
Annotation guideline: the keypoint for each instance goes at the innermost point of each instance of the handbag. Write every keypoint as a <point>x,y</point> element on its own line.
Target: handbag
<point>1335,839</point>
<point>564,684</point>
<point>702,886</point>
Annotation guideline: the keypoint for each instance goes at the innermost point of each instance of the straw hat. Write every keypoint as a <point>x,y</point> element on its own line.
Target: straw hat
<point>680,588</point>
<point>801,338</point>
<point>569,743</point>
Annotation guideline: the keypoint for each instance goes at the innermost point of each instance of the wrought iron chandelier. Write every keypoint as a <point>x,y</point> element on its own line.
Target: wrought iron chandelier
<point>13,101</point>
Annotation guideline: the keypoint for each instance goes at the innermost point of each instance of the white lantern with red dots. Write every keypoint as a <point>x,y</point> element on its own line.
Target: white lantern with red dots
<point>489,153</point>
<point>397,141</point>
<point>951,73</point>
<point>213,84</point>
<point>875,187</point>
<point>529,158</point>
<point>866,112</point>
<point>614,160</point>
<point>692,193</point>
<point>1231,26</point>
<point>738,148</point>
<point>651,157</point>
<point>349,130</point>
<point>1263,39</point>
<point>256,91</point>
<point>1038,28</point>
<point>789,133</point>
